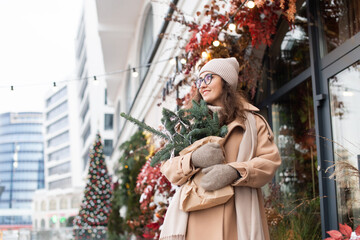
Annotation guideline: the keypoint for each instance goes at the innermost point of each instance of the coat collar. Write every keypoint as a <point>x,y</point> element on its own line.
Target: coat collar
<point>237,122</point>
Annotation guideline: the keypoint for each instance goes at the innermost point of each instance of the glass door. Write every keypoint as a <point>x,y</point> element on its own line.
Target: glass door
<point>343,81</point>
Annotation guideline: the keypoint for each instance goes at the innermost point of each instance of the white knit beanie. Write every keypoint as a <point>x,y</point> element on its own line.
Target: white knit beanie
<point>226,68</point>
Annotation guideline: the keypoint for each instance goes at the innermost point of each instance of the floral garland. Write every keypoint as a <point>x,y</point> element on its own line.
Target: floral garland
<point>255,26</point>
<point>156,192</point>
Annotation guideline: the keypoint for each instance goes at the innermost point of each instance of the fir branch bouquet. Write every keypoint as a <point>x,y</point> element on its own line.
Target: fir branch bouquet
<point>183,128</point>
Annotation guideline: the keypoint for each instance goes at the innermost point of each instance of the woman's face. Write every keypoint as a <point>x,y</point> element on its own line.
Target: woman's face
<point>211,93</point>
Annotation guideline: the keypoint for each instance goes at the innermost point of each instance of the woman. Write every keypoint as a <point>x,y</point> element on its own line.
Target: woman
<point>251,159</point>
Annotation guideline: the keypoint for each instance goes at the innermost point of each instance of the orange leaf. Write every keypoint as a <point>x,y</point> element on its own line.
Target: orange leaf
<point>345,229</point>
<point>335,234</point>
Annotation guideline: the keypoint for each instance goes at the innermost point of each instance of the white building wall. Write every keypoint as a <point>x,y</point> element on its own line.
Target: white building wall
<point>145,106</point>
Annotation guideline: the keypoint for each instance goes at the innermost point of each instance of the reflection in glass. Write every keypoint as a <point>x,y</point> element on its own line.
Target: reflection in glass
<point>293,126</point>
<point>289,55</point>
<point>344,90</point>
<point>340,21</point>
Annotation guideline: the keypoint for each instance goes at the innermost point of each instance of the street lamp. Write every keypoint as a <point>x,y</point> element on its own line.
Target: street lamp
<point>14,165</point>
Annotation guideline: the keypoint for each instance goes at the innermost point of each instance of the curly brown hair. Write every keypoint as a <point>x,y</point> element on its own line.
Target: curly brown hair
<point>232,101</point>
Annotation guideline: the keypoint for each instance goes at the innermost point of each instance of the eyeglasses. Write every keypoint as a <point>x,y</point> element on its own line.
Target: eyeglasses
<point>207,80</point>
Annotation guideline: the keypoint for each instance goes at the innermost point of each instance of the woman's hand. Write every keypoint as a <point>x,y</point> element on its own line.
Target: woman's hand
<point>218,176</point>
<point>207,155</point>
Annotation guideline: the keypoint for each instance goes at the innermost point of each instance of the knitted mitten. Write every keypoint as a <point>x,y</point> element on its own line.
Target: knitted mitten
<point>218,176</point>
<point>207,155</point>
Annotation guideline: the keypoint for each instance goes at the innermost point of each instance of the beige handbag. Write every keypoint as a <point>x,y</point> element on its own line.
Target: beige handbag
<point>193,197</point>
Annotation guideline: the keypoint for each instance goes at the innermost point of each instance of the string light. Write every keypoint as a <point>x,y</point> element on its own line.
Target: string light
<point>250,4</point>
<point>232,25</point>
<point>216,43</point>
<point>183,61</point>
<point>173,61</point>
<point>204,55</point>
<point>134,73</point>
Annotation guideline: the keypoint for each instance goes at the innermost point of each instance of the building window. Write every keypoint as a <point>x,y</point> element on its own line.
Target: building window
<point>63,203</point>
<point>42,223</point>
<point>58,125</point>
<point>118,118</point>
<point>147,43</point>
<point>59,139</point>
<point>52,204</point>
<point>108,147</point>
<point>43,206</point>
<point>60,169</point>
<point>108,123</point>
<point>75,202</point>
<point>340,21</point>
<point>85,110</point>
<point>86,134</point>
<point>344,100</point>
<point>86,159</point>
<point>56,97</point>
<point>57,111</point>
<point>62,183</point>
<point>62,153</point>
<point>105,97</point>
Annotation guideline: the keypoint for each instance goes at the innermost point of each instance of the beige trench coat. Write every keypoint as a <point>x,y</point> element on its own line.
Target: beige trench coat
<point>220,222</point>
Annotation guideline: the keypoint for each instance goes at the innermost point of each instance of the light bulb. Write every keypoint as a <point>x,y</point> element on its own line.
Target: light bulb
<point>250,4</point>
<point>173,61</point>
<point>135,73</point>
<point>204,55</point>
<point>183,61</point>
<point>232,26</point>
<point>216,43</point>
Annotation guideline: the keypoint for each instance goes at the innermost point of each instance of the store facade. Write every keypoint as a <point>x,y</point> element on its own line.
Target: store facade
<point>310,91</point>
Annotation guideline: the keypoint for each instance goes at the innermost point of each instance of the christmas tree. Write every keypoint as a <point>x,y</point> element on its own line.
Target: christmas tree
<point>183,128</point>
<point>92,219</point>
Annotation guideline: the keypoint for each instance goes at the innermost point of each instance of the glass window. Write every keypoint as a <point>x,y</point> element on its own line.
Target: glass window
<point>147,43</point>
<point>344,90</point>
<point>75,202</point>
<point>60,169</point>
<point>118,118</point>
<point>57,111</point>
<point>63,203</point>
<point>85,110</point>
<point>297,179</point>
<point>59,139</point>
<point>59,124</point>
<point>43,205</point>
<point>86,134</point>
<point>340,21</point>
<point>52,204</point>
<point>289,55</point>
<point>108,147</point>
<point>62,153</point>
<point>108,122</point>
<point>57,96</point>
<point>62,183</point>
<point>86,159</point>
<point>83,88</point>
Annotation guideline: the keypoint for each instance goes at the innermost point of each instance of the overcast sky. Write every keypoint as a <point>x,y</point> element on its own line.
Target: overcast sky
<point>36,48</point>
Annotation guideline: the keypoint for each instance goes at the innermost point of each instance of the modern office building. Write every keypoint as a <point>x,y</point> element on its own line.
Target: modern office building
<point>95,111</point>
<point>56,204</point>
<point>21,166</point>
